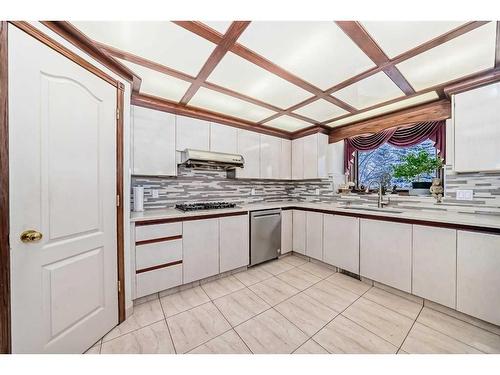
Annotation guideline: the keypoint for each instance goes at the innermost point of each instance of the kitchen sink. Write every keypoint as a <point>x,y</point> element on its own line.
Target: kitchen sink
<point>374,209</point>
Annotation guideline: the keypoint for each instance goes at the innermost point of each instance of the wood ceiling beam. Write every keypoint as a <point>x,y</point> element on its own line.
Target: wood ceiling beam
<point>225,44</point>
<point>435,111</point>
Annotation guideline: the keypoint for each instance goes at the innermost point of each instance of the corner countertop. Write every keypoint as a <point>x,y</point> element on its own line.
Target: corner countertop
<point>446,218</point>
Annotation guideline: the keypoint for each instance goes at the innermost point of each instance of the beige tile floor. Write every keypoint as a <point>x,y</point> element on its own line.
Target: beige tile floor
<point>293,306</point>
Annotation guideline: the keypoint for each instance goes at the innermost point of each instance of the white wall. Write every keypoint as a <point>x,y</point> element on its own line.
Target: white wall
<point>126,155</point>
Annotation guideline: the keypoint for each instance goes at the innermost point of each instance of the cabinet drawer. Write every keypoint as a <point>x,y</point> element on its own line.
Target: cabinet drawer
<point>157,280</point>
<point>156,253</point>
<point>150,232</point>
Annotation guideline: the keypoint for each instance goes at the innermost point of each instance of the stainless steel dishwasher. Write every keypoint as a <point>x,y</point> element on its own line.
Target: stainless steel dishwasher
<point>265,235</point>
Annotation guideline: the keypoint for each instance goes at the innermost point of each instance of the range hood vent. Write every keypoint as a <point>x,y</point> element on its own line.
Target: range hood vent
<point>211,160</point>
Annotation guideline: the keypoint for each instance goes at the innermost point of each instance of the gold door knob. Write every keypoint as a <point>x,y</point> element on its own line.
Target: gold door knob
<point>31,236</point>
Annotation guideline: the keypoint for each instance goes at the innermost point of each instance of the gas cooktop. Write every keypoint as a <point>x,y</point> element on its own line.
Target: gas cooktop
<point>204,206</point>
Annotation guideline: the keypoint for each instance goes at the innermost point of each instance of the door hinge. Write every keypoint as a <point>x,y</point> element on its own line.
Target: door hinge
<point>118,200</point>
<point>117,113</point>
<point>119,286</point>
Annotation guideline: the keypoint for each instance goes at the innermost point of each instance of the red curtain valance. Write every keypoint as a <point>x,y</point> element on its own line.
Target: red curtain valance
<point>399,137</point>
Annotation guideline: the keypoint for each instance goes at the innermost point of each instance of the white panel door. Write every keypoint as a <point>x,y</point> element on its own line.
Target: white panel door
<point>233,242</point>
<point>200,242</point>
<point>223,138</point>
<point>286,160</point>
<point>298,159</point>
<point>341,242</point>
<point>286,231</point>
<point>153,142</point>
<point>299,231</point>
<point>270,151</point>
<point>192,133</point>
<point>435,264</point>
<point>63,185</point>
<point>478,276</point>
<point>314,235</point>
<point>311,156</point>
<point>385,253</point>
<point>249,147</point>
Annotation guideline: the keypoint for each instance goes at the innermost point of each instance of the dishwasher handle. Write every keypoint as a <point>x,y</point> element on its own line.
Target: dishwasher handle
<point>258,214</point>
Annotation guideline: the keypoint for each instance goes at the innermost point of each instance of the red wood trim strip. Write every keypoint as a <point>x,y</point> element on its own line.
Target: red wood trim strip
<point>162,239</point>
<point>476,81</point>
<point>158,267</point>
<point>189,218</point>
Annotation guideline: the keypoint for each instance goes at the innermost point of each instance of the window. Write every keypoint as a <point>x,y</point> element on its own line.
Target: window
<point>374,164</point>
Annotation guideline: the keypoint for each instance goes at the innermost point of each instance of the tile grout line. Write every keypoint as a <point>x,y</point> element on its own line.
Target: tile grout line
<point>408,333</point>
<point>168,327</point>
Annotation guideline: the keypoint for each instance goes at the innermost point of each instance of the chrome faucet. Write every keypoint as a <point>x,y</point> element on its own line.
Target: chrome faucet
<point>380,200</point>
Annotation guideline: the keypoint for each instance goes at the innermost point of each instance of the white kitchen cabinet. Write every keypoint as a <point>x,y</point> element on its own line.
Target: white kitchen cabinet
<point>299,231</point>
<point>249,147</point>
<point>314,235</point>
<point>478,276</point>
<point>385,252</point>
<point>270,151</point>
<point>223,138</point>
<point>286,231</point>
<point>477,129</point>
<point>153,142</point>
<point>310,156</point>
<point>192,133</point>
<point>434,264</point>
<point>159,279</point>
<point>335,163</point>
<point>298,159</point>
<point>233,242</point>
<point>286,160</point>
<point>200,240</point>
<point>341,242</point>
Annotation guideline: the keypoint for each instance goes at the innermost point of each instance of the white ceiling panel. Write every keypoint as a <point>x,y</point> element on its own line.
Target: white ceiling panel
<point>373,90</point>
<point>319,52</point>
<point>467,54</point>
<point>396,37</point>
<point>405,103</point>
<point>242,76</point>
<point>162,42</point>
<point>217,102</point>
<point>158,84</point>
<point>321,110</point>
<point>220,26</point>
<point>287,123</point>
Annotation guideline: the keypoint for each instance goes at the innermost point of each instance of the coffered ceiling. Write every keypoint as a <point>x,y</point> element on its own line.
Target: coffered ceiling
<point>292,75</point>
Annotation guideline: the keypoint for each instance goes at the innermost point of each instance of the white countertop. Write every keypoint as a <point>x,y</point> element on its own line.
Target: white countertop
<point>448,217</point>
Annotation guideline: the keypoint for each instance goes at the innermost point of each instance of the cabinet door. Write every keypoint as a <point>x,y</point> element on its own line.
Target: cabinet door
<point>249,147</point>
<point>322,162</point>
<point>385,253</point>
<point>299,231</point>
<point>478,276</point>
<point>298,159</point>
<point>286,160</point>
<point>286,231</point>
<point>341,242</point>
<point>477,129</point>
<point>200,240</point>
<point>192,133</point>
<point>233,242</point>
<point>311,156</point>
<point>223,138</point>
<point>270,150</point>
<point>153,142</point>
<point>314,235</point>
<point>434,264</point>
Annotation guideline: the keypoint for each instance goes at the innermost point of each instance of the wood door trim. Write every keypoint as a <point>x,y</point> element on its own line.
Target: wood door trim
<point>152,268</point>
<point>5,306</point>
<point>189,218</point>
<point>161,239</point>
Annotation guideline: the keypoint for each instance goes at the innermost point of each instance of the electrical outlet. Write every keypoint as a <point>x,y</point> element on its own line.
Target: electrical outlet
<point>317,191</point>
<point>155,193</point>
<point>465,195</point>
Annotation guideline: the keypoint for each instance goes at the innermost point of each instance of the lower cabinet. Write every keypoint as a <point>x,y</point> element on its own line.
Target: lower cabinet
<point>233,242</point>
<point>434,264</point>
<point>341,242</point>
<point>299,232</point>
<point>200,249</point>
<point>160,279</point>
<point>385,252</point>
<point>286,231</point>
<point>314,235</point>
<point>478,275</point>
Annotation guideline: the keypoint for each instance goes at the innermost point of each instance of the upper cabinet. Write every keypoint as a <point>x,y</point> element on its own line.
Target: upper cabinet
<point>309,157</point>
<point>192,133</point>
<point>270,153</point>
<point>223,138</point>
<point>476,130</point>
<point>153,142</point>
<point>286,160</point>
<point>249,147</point>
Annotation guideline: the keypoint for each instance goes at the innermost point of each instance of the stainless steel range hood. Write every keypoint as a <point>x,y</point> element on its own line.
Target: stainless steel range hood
<point>211,160</point>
